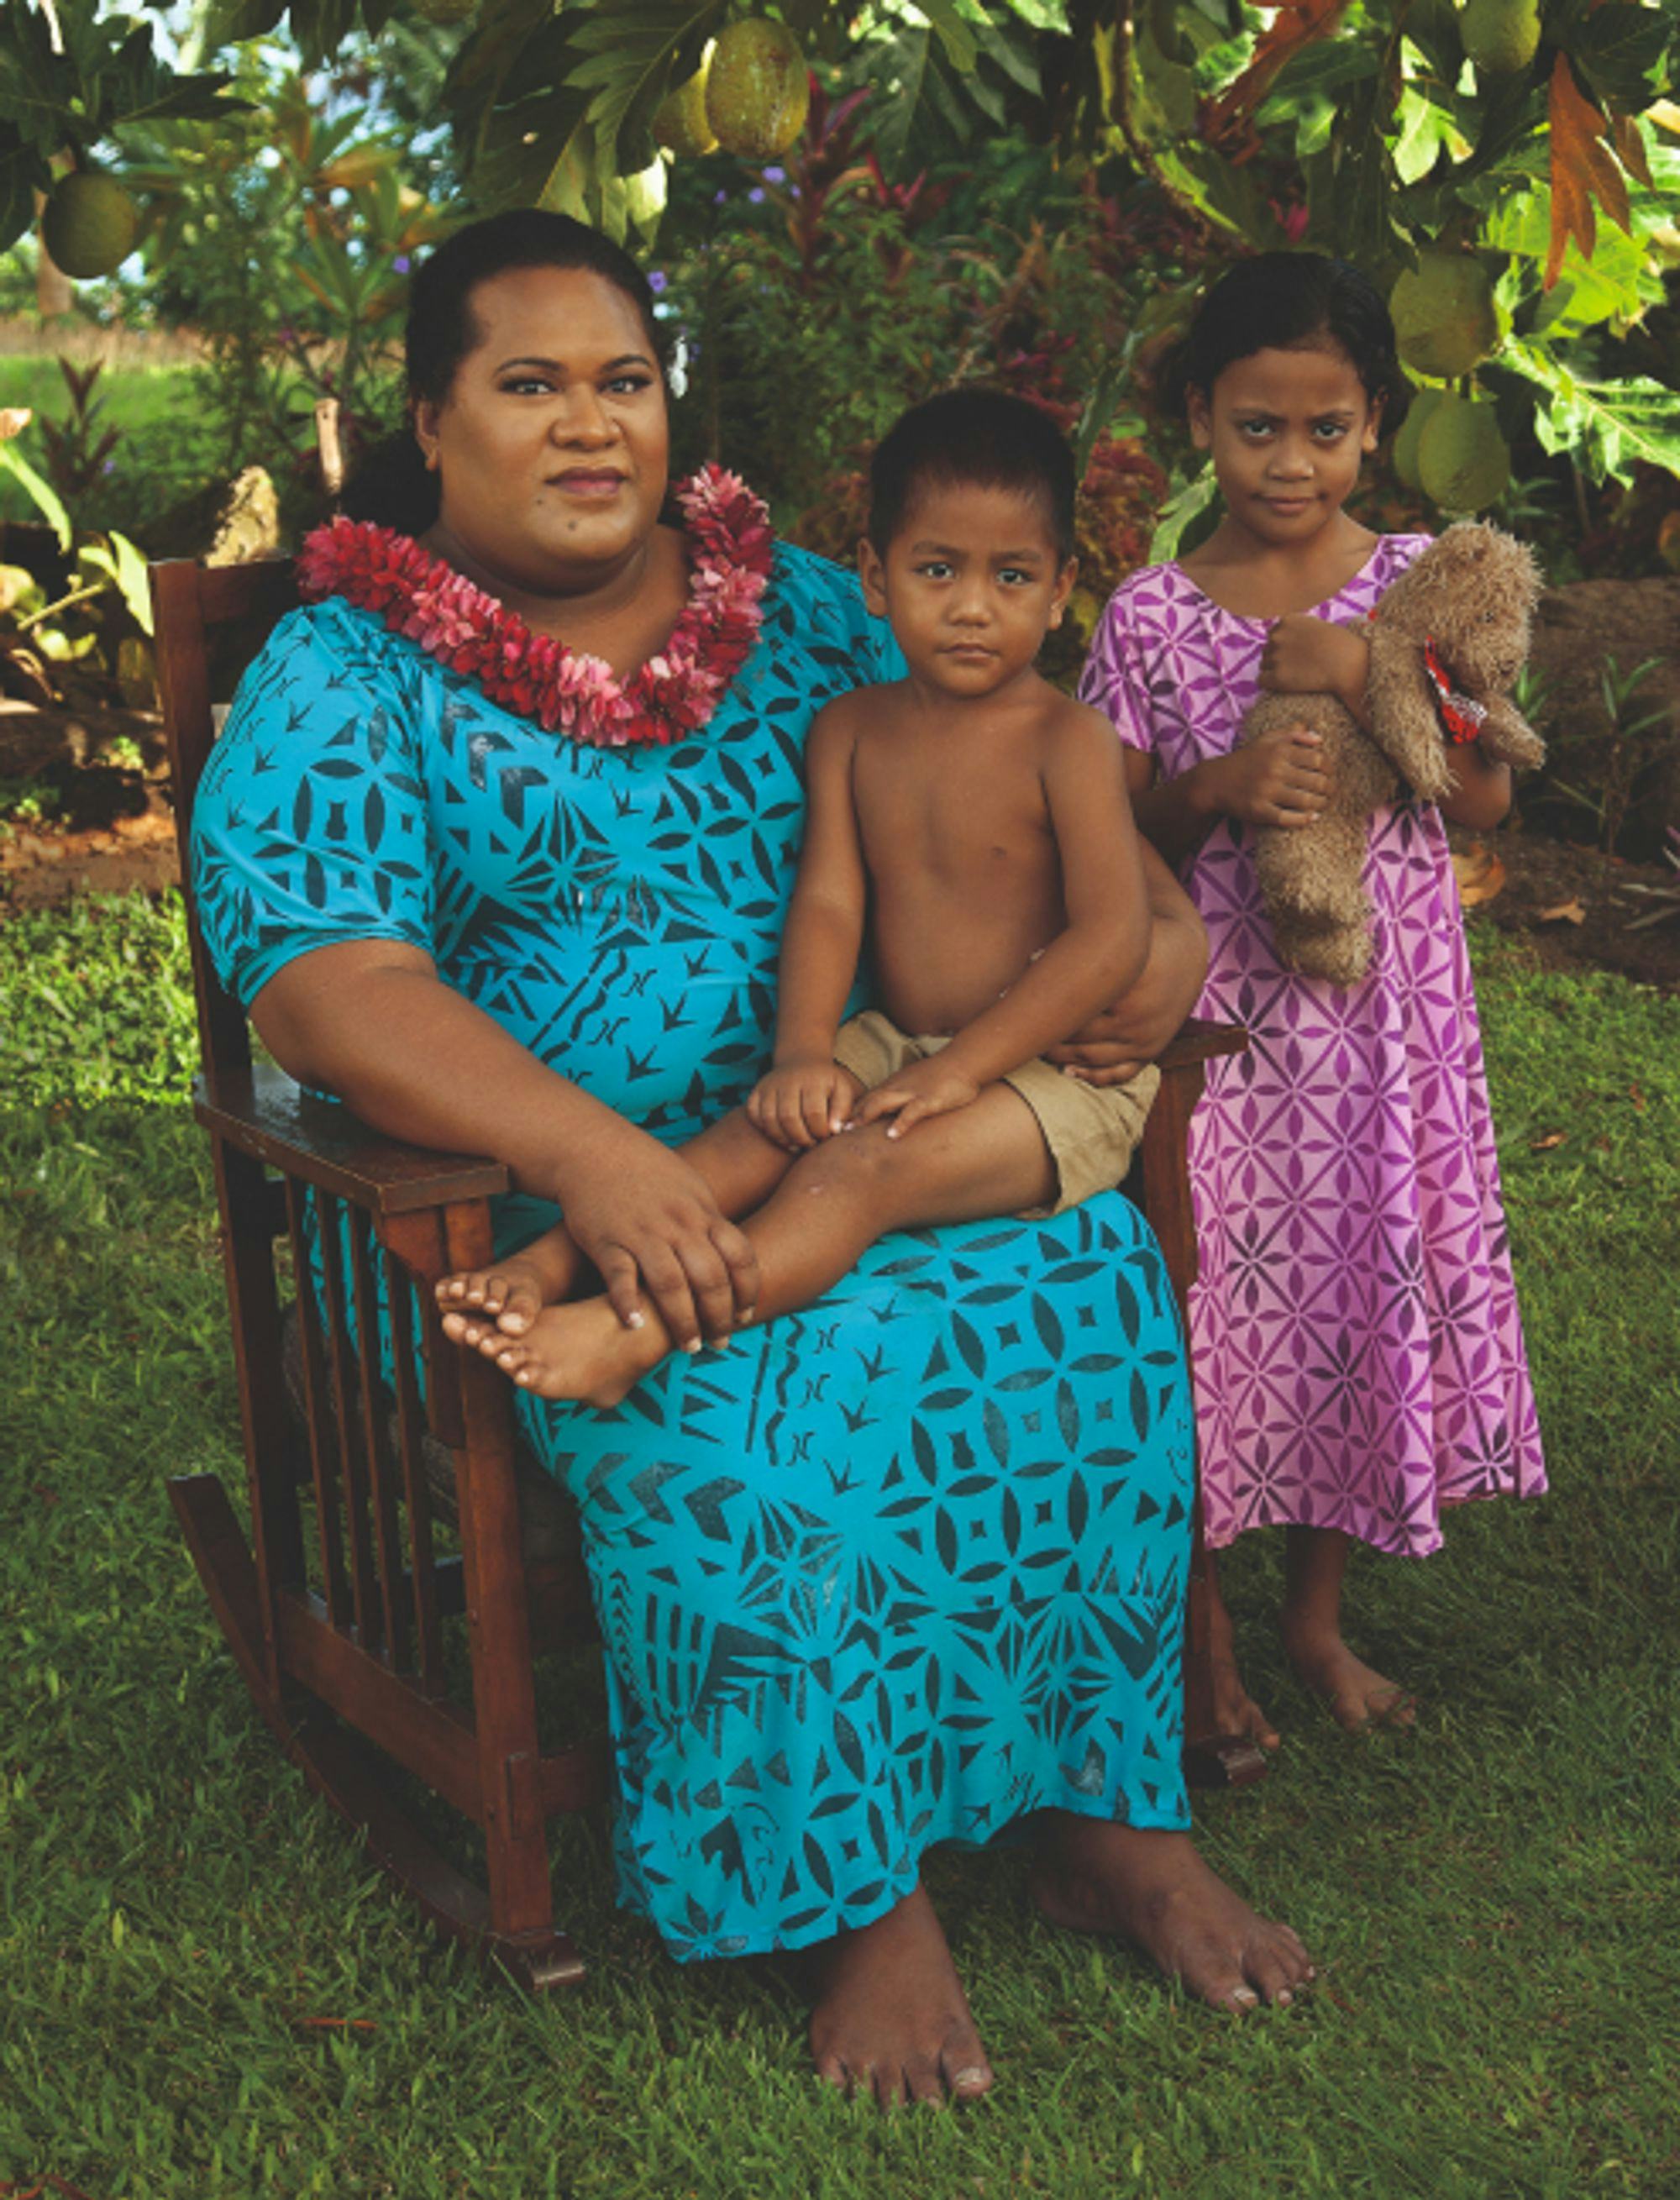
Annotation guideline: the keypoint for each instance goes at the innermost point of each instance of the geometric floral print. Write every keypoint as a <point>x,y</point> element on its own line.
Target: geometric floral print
<point>894,1570</point>
<point>1358,1357</point>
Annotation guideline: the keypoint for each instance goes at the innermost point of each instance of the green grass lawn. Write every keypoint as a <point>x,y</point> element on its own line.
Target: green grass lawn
<point>1494,1901</point>
<point>160,412</point>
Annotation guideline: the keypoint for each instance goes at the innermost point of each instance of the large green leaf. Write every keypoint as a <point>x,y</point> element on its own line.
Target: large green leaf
<point>1619,49</point>
<point>519,43</point>
<point>1606,427</point>
<point>926,105</point>
<point>1610,286</point>
<point>23,172</point>
<point>107,75</point>
<point>45,498</point>
<point>36,85</point>
<point>1182,510</point>
<point>117,558</point>
<point>630,55</point>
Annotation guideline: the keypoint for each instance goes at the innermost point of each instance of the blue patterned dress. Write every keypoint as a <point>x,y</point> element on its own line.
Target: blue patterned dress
<point>891,1572</point>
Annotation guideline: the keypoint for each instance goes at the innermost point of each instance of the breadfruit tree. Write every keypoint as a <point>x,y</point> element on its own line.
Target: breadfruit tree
<point>1508,168</point>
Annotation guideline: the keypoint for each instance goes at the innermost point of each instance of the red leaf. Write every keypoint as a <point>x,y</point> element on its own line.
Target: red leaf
<point>1583,169</point>
<point>1227,121</point>
<point>1630,148</point>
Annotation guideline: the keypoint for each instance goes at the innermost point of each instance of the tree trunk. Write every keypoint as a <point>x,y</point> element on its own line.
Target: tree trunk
<point>54,291</point>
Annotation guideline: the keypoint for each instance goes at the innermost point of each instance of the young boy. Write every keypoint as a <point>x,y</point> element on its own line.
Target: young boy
<point>975,822</point>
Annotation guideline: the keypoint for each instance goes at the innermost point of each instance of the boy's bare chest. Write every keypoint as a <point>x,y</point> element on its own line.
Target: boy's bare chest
<point>963,812</point>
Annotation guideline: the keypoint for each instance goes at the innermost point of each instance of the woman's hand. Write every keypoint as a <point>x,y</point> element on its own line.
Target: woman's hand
<point>1280,779</point>
<point>1309,656</point>
<point>649,1223</point>
<point>1112,1048</point>
<point>926,1088</point>
<point>798,1104</point>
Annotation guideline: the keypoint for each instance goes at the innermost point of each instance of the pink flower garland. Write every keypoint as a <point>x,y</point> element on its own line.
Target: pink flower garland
<point>673,694</point>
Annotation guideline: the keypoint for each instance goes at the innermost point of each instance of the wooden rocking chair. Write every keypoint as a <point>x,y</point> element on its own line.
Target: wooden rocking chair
<point>337,1621</point>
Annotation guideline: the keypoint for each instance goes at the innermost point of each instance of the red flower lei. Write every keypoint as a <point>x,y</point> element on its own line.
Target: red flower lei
<point>673,694</point>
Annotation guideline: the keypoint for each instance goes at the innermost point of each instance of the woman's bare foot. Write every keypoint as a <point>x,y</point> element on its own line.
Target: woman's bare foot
<point>1359,1697</point>
<point>1235,1711</point>
<point>1154,1890</point>
<point>581,1351</point>
<point>892,2018</point>
<point>512,1294</point>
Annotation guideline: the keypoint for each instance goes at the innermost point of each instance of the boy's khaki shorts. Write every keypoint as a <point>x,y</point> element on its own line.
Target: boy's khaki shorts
<point>1091,1130</point>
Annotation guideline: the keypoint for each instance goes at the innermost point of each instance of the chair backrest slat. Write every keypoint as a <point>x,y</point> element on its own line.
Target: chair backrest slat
<point>337,1218</point>
<point>194,607</point>
<point>377,1446</point>
<point>416,1490</point>
<point>317,1409</point>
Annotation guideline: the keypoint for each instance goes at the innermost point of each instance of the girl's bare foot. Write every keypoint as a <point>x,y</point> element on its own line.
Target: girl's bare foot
<point>1154,1890</point>
<point>510,1295</point>
<point>581,1351</point>
<point>892,2019</point>
<point>1235,1711</point>
<point>1359,1697</point>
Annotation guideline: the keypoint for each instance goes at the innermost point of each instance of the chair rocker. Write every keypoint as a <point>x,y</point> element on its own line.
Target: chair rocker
<point>335,1610</point>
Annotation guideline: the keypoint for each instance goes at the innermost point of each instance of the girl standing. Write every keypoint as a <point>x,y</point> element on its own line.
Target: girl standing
<point>1358,1357</point>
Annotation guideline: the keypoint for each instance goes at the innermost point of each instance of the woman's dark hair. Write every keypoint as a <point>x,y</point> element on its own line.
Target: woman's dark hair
<point>1288,301</point>
<point>391,485</point>
<point>975,435</point>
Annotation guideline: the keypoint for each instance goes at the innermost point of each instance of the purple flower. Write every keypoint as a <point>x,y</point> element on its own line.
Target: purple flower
<point>401,263</point>
<point>718,197</point>
<point>775,175</point>
<point>755,197</point>
<point>658,281</point>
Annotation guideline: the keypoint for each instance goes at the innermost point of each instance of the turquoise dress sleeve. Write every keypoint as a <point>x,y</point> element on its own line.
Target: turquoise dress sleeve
<point>312,824</point>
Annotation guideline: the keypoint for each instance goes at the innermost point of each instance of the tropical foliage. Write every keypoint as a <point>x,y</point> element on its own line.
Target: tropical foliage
<point>1522,147</point>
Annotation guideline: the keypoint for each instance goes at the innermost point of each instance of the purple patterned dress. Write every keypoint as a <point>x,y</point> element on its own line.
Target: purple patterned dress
<point>1359,1360</point>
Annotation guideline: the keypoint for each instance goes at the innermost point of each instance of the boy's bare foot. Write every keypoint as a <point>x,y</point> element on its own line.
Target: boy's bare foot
<point>581,1351</point>
<point>1153,1889</point>
<point>892,2018</point>
<point>512,1294</point>
<point>1235,1711</point>
<point>1359,1697</point>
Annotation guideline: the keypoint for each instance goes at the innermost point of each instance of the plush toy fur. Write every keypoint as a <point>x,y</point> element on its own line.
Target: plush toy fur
<point>1472,592</point>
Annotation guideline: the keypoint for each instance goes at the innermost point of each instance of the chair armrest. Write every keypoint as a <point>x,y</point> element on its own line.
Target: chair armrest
<point>1198,1041</point>
<point>266,1114</point>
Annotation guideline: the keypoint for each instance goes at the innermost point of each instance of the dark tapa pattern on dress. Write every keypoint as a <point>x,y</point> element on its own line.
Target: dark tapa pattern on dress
<point>898,1569</point>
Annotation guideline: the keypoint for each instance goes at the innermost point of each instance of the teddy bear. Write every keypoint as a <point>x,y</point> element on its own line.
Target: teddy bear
<point>1448,640</point>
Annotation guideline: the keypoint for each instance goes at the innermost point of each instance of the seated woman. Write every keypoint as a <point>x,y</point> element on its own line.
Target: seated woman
<point>496,844</point>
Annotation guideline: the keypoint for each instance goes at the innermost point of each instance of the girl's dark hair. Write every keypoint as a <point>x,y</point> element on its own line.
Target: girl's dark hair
<point>391,485</point>
<point>1288,301</point>
<point>974,435</point>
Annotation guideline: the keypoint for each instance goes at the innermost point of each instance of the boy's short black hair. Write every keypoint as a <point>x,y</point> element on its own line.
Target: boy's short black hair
<point>978,436</point>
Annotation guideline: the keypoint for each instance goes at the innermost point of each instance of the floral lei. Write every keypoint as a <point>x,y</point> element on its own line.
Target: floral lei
<point>673,694</point>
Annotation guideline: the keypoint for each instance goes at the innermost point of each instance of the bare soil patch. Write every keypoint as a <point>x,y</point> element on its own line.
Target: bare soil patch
<point>1574,906</point>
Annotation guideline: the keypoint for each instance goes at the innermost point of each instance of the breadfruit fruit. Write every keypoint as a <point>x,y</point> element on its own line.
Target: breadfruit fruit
<point>1463,463</point>
<point>679,120</point>
<point>758,90</point>
<point>1444,315</point>
<point>1423,402</point>
<point>89,224</point>
<point>1501,37</point>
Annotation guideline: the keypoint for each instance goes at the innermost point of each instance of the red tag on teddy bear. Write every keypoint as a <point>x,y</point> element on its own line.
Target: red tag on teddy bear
<point>1460,716</point>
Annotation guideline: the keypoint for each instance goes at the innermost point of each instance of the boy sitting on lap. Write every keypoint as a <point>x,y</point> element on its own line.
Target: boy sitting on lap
<point>974,822</point>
